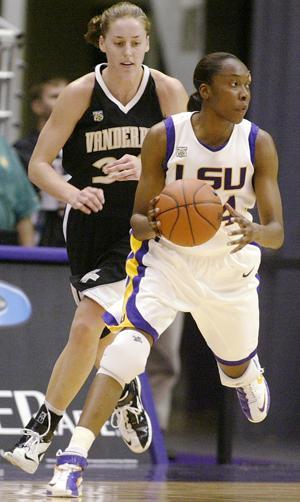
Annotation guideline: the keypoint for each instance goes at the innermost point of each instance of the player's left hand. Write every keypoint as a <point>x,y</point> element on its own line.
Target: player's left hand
<point>246,230</point>
<point>127,168</point>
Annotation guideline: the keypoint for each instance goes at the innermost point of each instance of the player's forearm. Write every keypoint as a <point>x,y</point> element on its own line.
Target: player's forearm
<point>47,179</point>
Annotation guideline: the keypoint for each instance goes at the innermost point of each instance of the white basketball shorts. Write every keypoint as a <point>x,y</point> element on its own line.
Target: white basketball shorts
<point>220,292</point>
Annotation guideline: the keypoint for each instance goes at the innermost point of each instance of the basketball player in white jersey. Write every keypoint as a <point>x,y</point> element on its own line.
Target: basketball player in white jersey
<point>215,281</point>
<point>100,121</point>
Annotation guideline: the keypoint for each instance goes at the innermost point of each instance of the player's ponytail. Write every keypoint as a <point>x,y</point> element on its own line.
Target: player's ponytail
<point>94,31</point>
<point>194,102</point>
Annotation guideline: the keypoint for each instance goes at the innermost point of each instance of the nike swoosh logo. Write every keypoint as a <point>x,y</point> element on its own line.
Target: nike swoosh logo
<point>248,273</point>
<point>262,409</point>
<point>28,458</point>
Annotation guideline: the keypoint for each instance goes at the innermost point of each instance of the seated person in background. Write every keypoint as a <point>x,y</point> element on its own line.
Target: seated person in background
<point>42,99</point>
<point>18,200</point>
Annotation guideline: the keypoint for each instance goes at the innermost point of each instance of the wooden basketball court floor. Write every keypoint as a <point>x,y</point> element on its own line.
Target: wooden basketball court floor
<point>162,483</point>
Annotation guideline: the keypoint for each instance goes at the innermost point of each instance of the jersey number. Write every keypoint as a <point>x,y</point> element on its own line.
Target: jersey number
<point>104,178</point>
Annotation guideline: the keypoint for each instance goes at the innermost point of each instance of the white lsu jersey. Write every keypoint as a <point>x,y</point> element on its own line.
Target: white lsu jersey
<point>228,169</point>
<point>219,289</point>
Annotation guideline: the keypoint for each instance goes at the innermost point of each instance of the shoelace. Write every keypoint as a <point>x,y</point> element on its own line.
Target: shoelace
<point>117,418</point>
<point>249,392</point>
<point>34,437</point>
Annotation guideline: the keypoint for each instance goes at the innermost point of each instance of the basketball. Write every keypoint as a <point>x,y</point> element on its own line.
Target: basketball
<point>190,212</point>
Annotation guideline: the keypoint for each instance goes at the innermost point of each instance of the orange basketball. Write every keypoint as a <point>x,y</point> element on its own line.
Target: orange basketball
<point>190,212</point>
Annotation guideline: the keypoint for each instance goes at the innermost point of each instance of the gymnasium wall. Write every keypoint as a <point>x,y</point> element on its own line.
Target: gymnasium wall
<point>275,66</point>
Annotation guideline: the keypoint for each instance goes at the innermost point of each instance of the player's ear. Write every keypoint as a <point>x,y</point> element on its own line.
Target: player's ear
<point>204,91</point>
<point>102,44</point>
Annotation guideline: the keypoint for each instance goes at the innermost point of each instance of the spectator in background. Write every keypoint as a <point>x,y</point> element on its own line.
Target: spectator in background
<point>42,99</point>
<point>18,200</point>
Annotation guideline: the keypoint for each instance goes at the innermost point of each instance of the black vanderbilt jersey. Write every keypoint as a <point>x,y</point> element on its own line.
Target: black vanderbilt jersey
<point>106,132</point>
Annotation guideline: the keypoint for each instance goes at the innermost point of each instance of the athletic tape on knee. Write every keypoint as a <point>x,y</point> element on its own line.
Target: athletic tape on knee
<point>252,372</point>
<point>125,357</point>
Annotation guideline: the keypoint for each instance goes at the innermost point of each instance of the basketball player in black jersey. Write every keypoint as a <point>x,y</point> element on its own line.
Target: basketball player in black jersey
<point>100,121</point>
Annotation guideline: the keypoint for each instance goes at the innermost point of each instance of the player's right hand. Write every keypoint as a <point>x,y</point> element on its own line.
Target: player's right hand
<point>127,168</point>
<point>88,200</point>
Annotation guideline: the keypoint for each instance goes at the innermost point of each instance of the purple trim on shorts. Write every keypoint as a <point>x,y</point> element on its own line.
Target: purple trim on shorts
<point>109,319</point>
<point>170,131</point>
<point>257,276</point>
<point>129,257</point>
<point>132,312</point>
<point>236,363</point>
<point>252,138</point>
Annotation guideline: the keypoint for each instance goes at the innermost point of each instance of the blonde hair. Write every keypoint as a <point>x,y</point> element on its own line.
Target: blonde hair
<point>99,25</point>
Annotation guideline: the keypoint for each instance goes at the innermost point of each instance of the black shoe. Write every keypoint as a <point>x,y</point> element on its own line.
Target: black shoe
<point>132,420</point>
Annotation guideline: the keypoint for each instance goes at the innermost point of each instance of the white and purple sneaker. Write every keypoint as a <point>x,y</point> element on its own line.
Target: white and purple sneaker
<point>67,479</point>
<point>255,399</point>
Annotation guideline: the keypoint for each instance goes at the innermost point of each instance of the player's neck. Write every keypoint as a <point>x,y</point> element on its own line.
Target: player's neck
<point>212,132</point>
<point>122,87</point>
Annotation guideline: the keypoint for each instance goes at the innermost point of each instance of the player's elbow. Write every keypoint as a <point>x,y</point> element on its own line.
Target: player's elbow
<point>133,223</point>
<point>32,171</point>
<point>280,240</point>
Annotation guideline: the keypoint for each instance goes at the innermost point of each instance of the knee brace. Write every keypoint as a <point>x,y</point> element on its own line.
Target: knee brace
<point>252,372</point>
<point>125,357</point>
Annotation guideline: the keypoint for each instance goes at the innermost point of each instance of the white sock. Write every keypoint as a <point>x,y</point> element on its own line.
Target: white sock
<point>53,409</point>
<point>81,441</point>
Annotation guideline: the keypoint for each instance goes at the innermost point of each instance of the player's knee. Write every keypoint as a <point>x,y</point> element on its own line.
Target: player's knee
<point>126,357</point>
<point>252,372</point>
<point>82,339</point>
